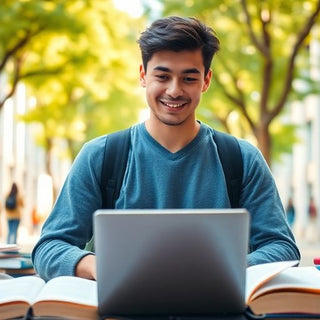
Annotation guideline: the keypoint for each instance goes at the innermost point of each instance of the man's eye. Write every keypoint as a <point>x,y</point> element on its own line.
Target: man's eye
<point>161,77</point>
<point>190,79</point>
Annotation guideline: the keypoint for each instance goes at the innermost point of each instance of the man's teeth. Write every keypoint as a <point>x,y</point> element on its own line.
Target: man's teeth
<point>174,105</point>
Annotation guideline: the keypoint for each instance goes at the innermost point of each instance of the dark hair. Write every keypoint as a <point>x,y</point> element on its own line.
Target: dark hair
<point>13,190</point>
<point>177,34</point>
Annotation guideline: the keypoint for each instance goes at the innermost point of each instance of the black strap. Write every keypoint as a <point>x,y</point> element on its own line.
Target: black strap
<point>231,160</point>
<point>115,158</point>
<point>114,166</point>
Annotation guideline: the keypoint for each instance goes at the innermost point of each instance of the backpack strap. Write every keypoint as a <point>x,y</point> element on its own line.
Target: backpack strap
<point>231,161</point>
<point>114,166</point>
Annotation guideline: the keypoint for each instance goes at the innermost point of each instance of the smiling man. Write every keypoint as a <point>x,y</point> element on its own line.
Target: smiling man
<point>173,160</point>
<point>174,82</point>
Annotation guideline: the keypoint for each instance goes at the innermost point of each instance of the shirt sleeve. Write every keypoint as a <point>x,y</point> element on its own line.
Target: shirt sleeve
<point>271,238</point>
<point>69,226</point>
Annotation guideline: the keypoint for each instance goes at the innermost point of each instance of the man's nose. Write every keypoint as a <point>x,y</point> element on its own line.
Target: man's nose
<point>174,89</point>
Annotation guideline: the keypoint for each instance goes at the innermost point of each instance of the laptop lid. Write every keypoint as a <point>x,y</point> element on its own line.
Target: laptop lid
<point>171,262</point>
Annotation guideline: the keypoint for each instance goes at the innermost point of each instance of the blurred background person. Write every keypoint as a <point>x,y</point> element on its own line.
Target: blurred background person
<point>312,213</point>
<point>36,219</point>
<point>290,212</point>
<point>13,206</point>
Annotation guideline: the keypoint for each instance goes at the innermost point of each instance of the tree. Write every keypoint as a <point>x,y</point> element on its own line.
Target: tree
<point>97,91</point>
<point>264,50</point>
<point>25,25</point>
<point>79,60</point>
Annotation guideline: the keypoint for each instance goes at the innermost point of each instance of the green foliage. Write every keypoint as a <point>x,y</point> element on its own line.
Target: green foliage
<point>80,61</point>
<point>283,137</point>
<point>264,54</point>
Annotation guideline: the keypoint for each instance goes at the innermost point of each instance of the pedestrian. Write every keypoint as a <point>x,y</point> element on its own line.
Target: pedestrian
<point>36,220</point>
<point>13,207</point>
<point>173,161</point>
<point>312,210</point>
<point>290,210</point>
<point>312,213</point>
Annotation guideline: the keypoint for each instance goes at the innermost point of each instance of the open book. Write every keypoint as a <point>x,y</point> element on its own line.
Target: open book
<point>278,288</point>
<point>271,288</point>
<point>67,297</point>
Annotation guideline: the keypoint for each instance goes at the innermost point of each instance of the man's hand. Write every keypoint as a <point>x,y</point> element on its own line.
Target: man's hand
<point>86,267</point>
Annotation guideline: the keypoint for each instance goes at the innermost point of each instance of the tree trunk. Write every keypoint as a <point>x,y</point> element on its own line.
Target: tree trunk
<point>264,141</point>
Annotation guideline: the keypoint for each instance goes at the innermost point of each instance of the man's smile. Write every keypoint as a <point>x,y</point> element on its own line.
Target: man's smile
<point>173,105</point>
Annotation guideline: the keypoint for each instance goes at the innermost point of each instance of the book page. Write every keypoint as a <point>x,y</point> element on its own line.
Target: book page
<point>20,289</point>
<point>303,279</point>
<point>70,289</point>
<point>259,274</point>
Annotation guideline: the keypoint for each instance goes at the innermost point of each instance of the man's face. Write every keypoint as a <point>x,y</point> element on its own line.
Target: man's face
<point>174,82</point>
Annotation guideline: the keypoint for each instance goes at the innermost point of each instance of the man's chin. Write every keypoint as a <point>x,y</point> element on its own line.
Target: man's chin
<point>172,123</point>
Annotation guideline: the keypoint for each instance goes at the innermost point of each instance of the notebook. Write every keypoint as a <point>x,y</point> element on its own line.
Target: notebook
<point>177,262</point>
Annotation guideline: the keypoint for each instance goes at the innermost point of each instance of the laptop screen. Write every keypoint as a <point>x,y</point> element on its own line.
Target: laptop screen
<point>171,262</point>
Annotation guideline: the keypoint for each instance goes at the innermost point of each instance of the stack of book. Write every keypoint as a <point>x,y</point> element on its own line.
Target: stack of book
<point>14,262</point>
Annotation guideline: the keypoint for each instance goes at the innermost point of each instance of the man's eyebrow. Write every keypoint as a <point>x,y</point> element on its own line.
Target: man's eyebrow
<point>160,68</point>
<point>192,70</point>
<point>165,69</point>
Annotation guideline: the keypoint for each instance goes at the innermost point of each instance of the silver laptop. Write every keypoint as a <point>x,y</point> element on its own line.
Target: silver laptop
<point>171,262</point>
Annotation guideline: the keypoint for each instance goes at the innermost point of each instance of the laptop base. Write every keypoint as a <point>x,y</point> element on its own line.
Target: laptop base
<point>247,315</point>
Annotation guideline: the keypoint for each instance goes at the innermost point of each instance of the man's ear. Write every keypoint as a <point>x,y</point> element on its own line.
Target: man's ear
<point>207,81</point>
<point>142,76</point>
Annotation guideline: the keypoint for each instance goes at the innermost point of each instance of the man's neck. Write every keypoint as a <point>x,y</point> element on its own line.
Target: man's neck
<point>173,138</point>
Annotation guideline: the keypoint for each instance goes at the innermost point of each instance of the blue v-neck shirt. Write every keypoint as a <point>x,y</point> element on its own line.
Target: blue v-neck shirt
<point>157,178</point>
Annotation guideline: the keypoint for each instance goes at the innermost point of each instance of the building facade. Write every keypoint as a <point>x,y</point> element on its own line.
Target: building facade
<point>298,177</point>
<point>23,161</point>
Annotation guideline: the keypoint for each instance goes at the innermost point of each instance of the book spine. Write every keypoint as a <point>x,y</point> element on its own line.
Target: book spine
<point>26,264</point>
<point>16,263</point>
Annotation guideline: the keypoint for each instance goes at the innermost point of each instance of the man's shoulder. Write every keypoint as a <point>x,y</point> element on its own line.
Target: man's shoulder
<point>249,151</point>
<point>99,142</point>
<point>245,145</point>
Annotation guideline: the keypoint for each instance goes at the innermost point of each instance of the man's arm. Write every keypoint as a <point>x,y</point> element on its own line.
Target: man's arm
<point>271,238</point>
<point>69,226</point>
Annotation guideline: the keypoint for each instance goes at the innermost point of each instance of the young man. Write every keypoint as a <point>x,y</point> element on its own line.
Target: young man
<point>173,160</point>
